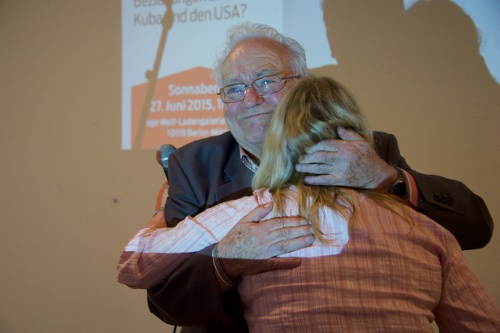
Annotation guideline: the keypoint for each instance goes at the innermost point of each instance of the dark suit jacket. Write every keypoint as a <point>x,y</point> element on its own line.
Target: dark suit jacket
<point>209,171</point>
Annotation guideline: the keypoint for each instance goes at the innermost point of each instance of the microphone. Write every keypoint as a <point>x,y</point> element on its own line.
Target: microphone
<point>162,154</point>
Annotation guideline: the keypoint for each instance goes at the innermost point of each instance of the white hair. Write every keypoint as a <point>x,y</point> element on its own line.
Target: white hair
<point>245,31</point>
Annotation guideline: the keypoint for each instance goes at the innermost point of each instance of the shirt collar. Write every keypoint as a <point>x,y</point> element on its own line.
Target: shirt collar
<point>247,160</point>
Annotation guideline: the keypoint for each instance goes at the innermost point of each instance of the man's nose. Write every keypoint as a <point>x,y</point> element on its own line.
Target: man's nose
<point>252,98</point>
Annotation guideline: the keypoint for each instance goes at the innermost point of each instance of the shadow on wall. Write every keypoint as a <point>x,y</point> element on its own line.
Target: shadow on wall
<point>421,65</point>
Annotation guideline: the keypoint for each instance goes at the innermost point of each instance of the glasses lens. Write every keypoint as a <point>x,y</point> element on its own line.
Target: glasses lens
<point>267,85</point>
<point>233,93</point>
<point>263,86</point>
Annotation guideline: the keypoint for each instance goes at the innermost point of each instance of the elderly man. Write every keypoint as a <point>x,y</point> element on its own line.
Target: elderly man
<point>256,70</point>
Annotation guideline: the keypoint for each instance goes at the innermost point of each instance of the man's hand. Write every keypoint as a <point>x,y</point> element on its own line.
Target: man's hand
<point>349,161</point>
<point>251,245</point>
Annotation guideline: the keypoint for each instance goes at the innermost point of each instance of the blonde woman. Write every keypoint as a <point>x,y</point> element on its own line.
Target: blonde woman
<point>375,265</point>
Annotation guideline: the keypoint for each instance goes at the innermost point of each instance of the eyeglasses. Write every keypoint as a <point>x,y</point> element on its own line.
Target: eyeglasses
<point>263,86</point>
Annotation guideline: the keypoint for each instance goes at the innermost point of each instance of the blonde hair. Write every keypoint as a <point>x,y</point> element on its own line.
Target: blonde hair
<point>311,112</point>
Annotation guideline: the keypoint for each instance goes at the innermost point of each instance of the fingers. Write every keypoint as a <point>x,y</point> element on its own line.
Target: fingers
<point>288,239</point>
<point>266,239</point>
<point>290,245</point>
<point>335,144</point>
<point>255,243</point>
<point>324,152</point>
<point>288,234</point>
<point>325,145</point>
<point>327,180</point>
<point>317,168</point>
<point>348,135</point>
<point>285,222</point>
<point>335,159</point>
<point>258,213</point>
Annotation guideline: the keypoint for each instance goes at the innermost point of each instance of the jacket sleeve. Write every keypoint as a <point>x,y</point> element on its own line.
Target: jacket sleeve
<point>190,296</point>
<point>446,201</point>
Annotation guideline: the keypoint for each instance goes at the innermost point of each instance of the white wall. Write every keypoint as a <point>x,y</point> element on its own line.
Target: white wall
<point>71,198</point>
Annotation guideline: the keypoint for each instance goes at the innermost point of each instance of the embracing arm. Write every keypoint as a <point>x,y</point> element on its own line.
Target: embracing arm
<point>192,294</point>
<point>244,250</point>
<point>352,162</point>
<point>196,299</point>
<point>455,207</point>
<point>448,202</point>
<point>153,253</point>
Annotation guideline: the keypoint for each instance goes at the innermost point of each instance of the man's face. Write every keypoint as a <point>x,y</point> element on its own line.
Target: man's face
<point>249,119</point>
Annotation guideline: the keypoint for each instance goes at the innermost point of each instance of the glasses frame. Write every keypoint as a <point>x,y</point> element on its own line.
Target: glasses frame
<point>281,81</point>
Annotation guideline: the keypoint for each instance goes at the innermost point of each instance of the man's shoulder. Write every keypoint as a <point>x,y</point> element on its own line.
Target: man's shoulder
<point>212,142</point>
<point>383,138</point>
<point>210,146</point>
<point>379,134</point>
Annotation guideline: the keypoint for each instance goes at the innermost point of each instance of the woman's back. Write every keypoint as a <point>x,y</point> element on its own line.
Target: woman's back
<point>384,275</point>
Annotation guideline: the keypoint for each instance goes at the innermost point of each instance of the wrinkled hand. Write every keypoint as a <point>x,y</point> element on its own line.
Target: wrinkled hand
<point>348,162</point>
<point>251,245</point>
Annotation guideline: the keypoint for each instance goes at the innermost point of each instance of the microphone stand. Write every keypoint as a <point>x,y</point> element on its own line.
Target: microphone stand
<point>152,75</point>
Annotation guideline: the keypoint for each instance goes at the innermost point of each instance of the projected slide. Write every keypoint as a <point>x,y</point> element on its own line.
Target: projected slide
<point>169,94</point>
<point>168,49</point>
